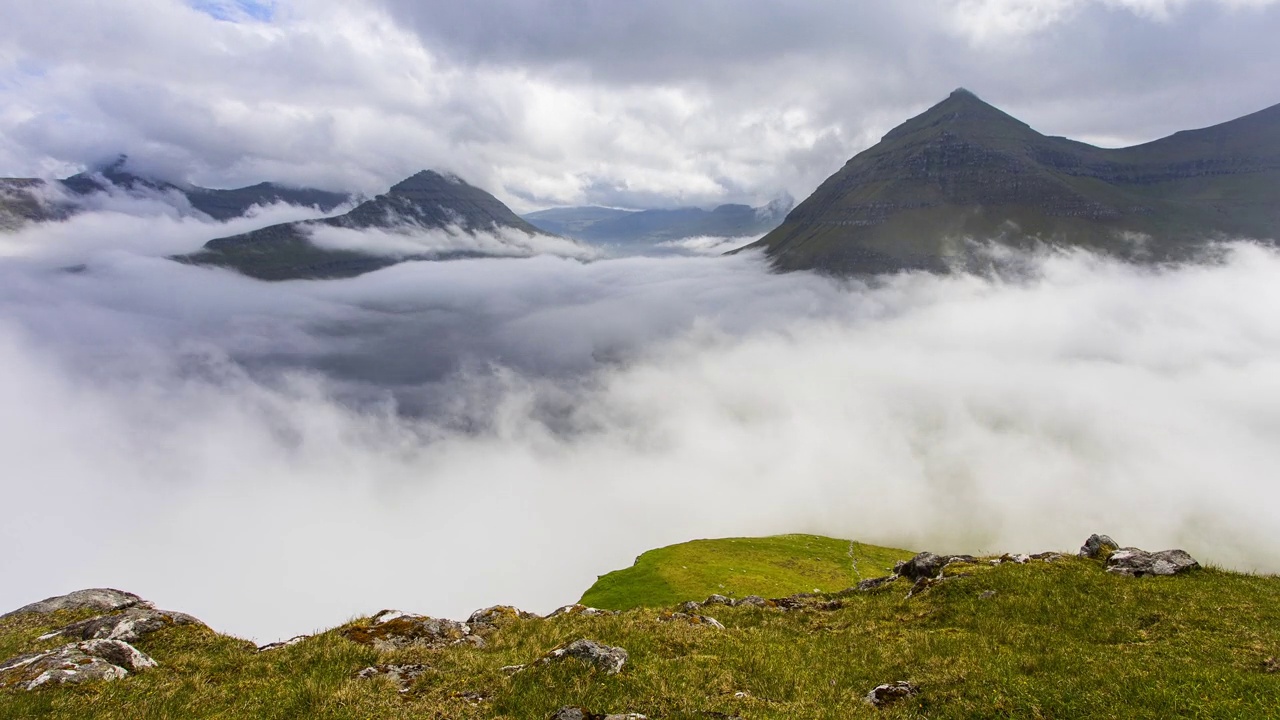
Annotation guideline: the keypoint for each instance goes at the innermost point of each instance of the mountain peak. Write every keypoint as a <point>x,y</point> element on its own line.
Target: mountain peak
<point>427,180</point>
<point>961,113</point>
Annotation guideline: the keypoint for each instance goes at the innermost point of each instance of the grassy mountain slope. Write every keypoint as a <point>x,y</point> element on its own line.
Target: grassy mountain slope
<point>1059,639</point>
<point>964,169</point>
<point>737,567</point>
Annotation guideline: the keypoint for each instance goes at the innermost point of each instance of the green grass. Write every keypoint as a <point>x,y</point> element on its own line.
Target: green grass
<point>737,567</point>
<point>1056,640</point>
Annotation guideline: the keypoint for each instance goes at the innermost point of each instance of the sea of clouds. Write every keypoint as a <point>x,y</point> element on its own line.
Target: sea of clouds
<point>441,436</point>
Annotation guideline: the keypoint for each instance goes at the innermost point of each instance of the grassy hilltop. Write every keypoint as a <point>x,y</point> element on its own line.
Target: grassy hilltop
<point>1058,639</point>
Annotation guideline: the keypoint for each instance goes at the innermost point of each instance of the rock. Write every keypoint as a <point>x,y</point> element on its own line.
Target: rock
<point>496,615</point>
<point>875,583</point>
<point>690,606</point>
<point>605,658</point>
<point>926,564</point>
<point>401,675</point>
<point>753,601</point>
<point>1098,547</point>
<point>393,630</point>
<point>582,610</point>
<point>1047,556</point>
<point>987,595</point>
<point>1020,559</point>
<point>75,663</point>
<point>1133,562</point>
<point>922,585</point>
<point>574,712</point>
<point>512,669</point>
<point>691,619</point>
<point>102,599</point>
<point>888,693</point>
<point>283,643</point>
<point>131,625</point>
<point>475,698</point>
<point>1271,665</point>
<point>719,600</point>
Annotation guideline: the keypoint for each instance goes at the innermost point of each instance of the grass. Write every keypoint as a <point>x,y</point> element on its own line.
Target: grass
<point>737,567</point>
<point>1055,640</point>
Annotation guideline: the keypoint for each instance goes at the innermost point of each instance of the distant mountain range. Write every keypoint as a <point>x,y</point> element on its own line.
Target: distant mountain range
<point>610,225</point>
<point>428,201</point>
<point>25,200</point>
<point>965,170</point>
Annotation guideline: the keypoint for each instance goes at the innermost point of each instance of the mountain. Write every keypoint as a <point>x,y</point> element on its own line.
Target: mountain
<point>964,169</point>
<point>597,224</point>
<point>34,200</point>
<point>426,201</point>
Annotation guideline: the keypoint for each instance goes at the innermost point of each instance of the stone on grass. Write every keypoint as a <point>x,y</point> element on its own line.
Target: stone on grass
<point>74,663</point>
<point>605,658</point>
<point>283,643</point>
<point>582,611</point>
<point>494,616</point>
<point>691,619</point>
<point>1133,562</point>
<point>129,625</point>
<point>394,630</point>
<point>1098,547</point>
<point>752,601</point>
<point>402,675</point>
<point>923,565</point>
<point>892,692</point>
<point>573,712</point>
<point>102,599</point>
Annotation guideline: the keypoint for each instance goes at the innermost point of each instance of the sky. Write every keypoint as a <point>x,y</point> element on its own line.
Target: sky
<point>651,103</point>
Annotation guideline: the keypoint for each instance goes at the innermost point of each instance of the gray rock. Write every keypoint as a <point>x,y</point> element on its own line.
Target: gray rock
<point>987,595</point>
<point>1098,547</point>
<point>75,663</point>
<point>753,601</point>
<point>103,599</point>
<point>888,693</point>
<point>401,675</point>
<point>579,713</point>
<point>1047,556</point>
<point>283,643</point>
<point>874,583</point>
<point>718,600</point>
<point>605,658</point>
<point>496,615</point>
<point>581,610</point>
<point>690,606</point>
<point>393,630</point>
<point>131,625</point>
<point>924,565</point>
<point>1133,562</point>
<point>691,619</point>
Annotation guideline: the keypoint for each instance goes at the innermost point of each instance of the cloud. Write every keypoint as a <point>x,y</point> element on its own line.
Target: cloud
<point>412,241</point>
<point>276,457</point>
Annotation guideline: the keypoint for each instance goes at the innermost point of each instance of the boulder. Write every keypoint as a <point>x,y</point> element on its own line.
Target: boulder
<point>75,663</point>
<point>691,619</point>
<point>496,615</point>
<point>393,630</point>
<point>283,643</point>
<point>1133,562</point>
<point>1098,547</point>
<point>100,599</point>
<point>605,658</point>
<point>130,625</point>
<point>582,610</point>
<point>574,712</point>
<point>875,583</point>
<point>719,600</point>
<point>926,564</point>
<point>752,601</point>
<point>889,693</point>
<point>402,675</point>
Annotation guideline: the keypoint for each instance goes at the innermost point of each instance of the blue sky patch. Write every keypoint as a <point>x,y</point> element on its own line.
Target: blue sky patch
<point>236,10</point>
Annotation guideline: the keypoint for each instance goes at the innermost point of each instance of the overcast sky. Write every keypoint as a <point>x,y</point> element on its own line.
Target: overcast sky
<point>545,102</point>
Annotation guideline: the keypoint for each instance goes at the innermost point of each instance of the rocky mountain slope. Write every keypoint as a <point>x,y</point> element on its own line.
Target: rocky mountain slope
<point>965,170</point>
<point>1105,632</point>
<point>34,200</point>
<point>609,225</point>
<point>427,201</point>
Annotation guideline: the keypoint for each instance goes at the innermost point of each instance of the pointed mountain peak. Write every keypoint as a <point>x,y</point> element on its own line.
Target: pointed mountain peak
<point>428,180</point>
<point>961,113</point>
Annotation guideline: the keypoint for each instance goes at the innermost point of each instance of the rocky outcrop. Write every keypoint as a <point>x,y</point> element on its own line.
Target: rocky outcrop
<point>581,611</point>
<point>573,712</point>
<point>491,617</point>
<point>395,630</point>
<point>100,599</point>
<point>690,619</point>
<point>605,658</point>
<point>1133,562</point>
<point>80,662</point>
<point>889,693</point>
<point>1098,547</point>
<point>129,625</point>
<point>283,643</point>
<point>402,675</point>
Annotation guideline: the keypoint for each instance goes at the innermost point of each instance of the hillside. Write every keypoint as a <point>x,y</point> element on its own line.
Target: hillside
<point>34,200</point>
<point>609,225</point>
<point>1019,636</point>
<point>426,201</point>
<point>965,170</point>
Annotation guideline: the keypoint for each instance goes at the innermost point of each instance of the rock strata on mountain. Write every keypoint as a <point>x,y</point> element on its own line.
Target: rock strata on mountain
<point>965,171</point>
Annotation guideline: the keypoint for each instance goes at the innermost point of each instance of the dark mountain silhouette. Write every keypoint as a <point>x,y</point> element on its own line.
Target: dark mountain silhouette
<point>597,224</point>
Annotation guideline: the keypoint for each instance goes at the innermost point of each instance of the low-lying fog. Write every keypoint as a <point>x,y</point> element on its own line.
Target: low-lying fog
<point>278,457</point>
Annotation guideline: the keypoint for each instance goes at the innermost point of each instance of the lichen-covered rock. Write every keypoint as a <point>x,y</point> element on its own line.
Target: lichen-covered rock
<point>574,712</point>
<point>101,599</point>
<point>496,615</point>
<point>718,599</point>
<point>402,675</point>
<point>606,658</point>
<point>74,663</point>
<point>882,695</point>
<point>1138,563</point>
<point>691,619</point>
<point>581,610</point>
<point>690,606</point>
<point>283,643</point>
<point>1098,547</point>
<point>129,625</point>
<point>753,601</point>
<point>393,630</point>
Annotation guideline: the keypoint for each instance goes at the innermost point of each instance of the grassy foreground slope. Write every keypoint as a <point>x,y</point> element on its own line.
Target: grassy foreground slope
<point>737,567</point>
<point>1059,639</point>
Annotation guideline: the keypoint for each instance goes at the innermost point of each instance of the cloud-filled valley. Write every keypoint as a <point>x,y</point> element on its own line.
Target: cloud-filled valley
<point>277,457</point>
